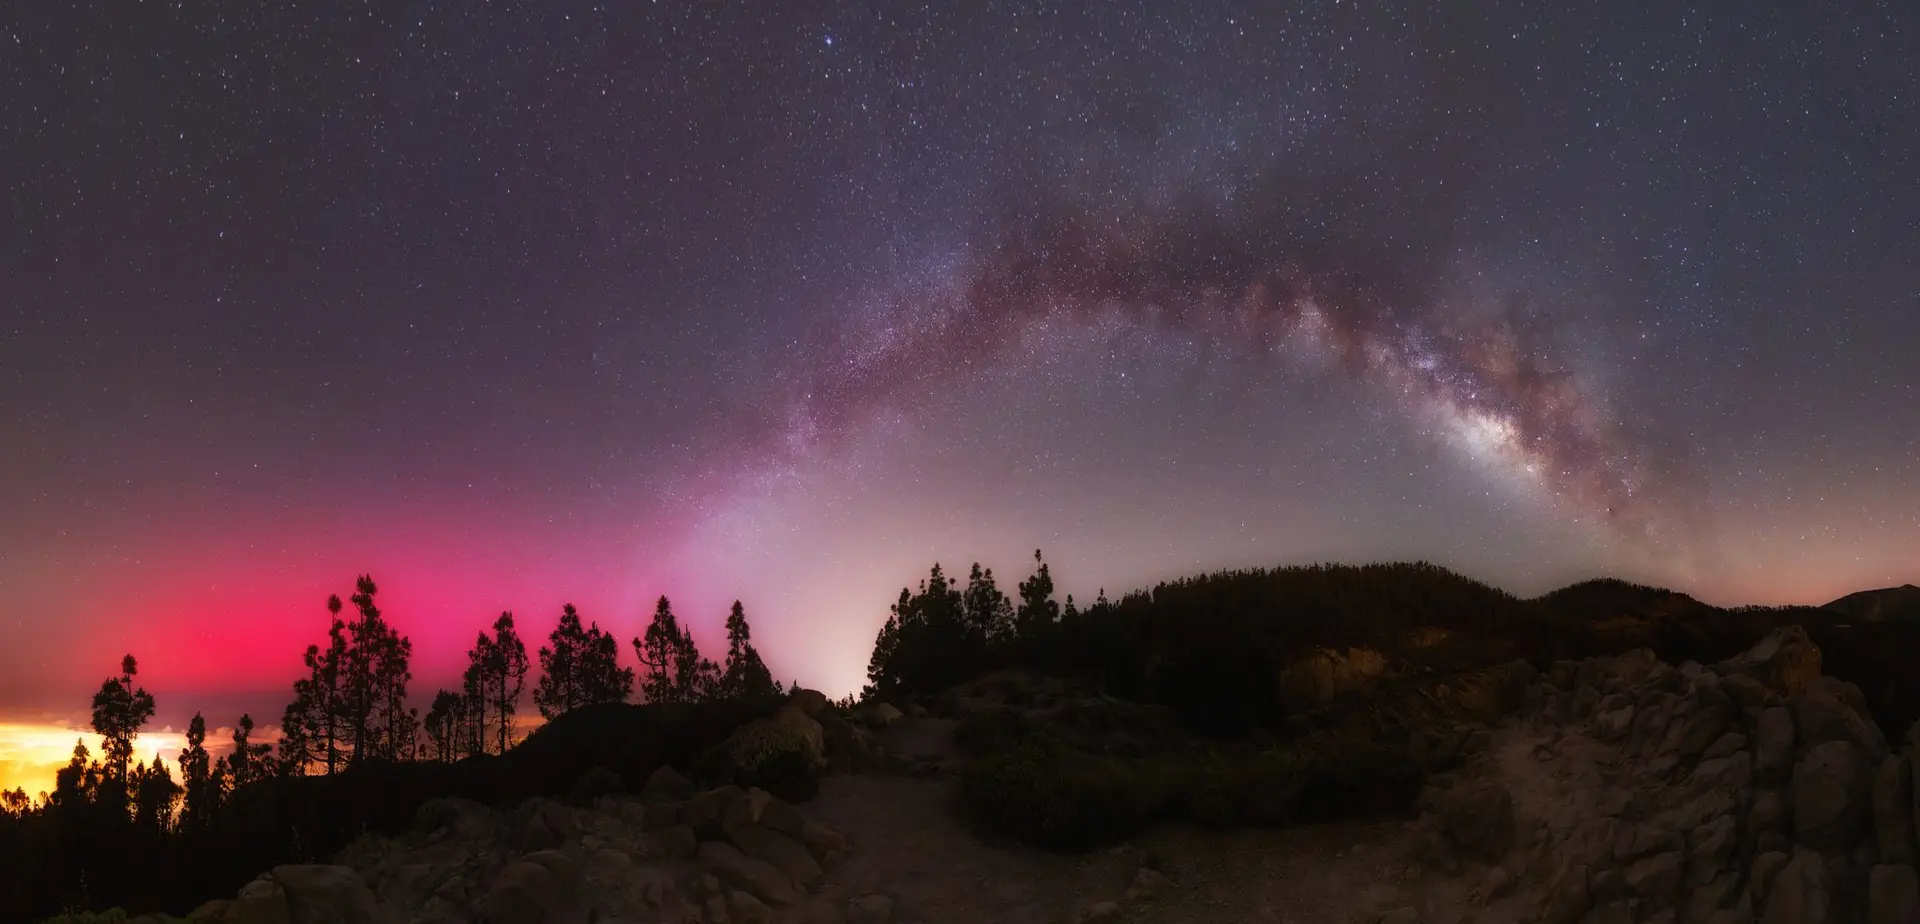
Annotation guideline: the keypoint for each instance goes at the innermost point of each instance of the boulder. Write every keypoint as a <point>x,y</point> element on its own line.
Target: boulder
<point>657,815</point>
<point>1825,713</point>
<point>262,901</point>
<point>1566,899</point>
<point>1477,818</point>
<point>462,818</point>
<point>1785,660</point>
<point>319,894</point>
<point>525,892</point>
<point>1728,745</point>
<point>214,910</point>
<point>1652,715</point>
<point>781,816</point>
<point>1612,724</point>
<point>762,880</point>
<point>1832,798</point>
<point>1405,914</point>
<point>667,785</point>
<point>1631,842</point>
<point>1746,692</point>
<point>826,844</point>
<point>1496,885</point>
<point>743,908</point>
<point>564,871</point>
<point>1801,893</point>
<point>1706,899</point>
<point>778,850</point>
<point>1604,884</point>
<point>1893,894</point>
<point>881,715</point>
<point>810,703</point>
<point>1702,728</point>
<point>674,843</point>
<point>408,884</point>
<point>1709,848</point>
<point>534,834</point>
<point>1726,774</point>
<point>1146,883</point>
<point>706,810</point>
<point>1769,812</point>
<point>1614,912</point>
<point>871,909</point>
<point>1656,879</point>
<point>1893,811</point>
<point>1766,866</point>
<point>1773,740</point>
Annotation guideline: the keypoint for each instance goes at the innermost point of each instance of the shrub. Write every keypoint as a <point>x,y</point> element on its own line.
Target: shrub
<point>1055,798</point>
<point>993,730</point>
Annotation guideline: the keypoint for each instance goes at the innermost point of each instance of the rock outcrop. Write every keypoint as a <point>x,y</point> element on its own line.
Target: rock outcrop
<point>1751,790</point>
<point>722,855</point>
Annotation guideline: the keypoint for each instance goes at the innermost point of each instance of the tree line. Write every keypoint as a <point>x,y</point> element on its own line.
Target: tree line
<point>351,707</point>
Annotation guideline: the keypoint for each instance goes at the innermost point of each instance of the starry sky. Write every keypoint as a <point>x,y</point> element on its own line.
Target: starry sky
<point>520,304</point>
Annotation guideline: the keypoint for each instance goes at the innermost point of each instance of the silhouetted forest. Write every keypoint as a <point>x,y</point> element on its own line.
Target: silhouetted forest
<point>357,756</point>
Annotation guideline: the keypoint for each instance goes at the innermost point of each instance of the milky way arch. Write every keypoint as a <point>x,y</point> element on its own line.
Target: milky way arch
<point>1265,280</point>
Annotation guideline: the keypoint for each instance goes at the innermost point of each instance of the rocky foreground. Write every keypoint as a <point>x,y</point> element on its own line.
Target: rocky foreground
<point>1622,790</point>
<point>1633,791</point>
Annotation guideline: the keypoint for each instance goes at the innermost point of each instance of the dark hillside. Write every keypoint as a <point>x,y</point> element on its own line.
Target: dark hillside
<point>1892,604</point>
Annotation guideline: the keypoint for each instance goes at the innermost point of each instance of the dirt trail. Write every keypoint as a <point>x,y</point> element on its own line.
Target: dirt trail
<point>909,843</point>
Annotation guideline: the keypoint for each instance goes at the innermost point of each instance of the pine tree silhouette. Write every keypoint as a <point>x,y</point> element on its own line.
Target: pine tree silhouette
<point>562,686</point>
<point>508,668</point>
<point>744,675</point>
<point>659,651</point>
<point>119,710</point>
<point>196,770</point>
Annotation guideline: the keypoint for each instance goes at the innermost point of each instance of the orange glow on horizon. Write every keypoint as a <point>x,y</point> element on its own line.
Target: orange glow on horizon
<point>32,752</point>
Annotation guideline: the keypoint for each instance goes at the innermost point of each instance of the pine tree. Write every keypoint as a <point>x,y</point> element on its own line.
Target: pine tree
<point>660,651</point>
<point>496,674</point>
<point>399,723</point>
<point>119,710</point>
<point>744,676</point>
<point>1037,612</point>
<point>563,667</point>
<point>445,719</point>
<point>314,722</point>
<point>694,678</point>
<point>295,751</point>
<point>249,761</point>
<point>509,667</point>
<point>71,786</point>
<point>988,612</point>
<point>154,794</point>
<point>1037,619</point>
<point>218,781</point>
<point>474,694</point>
<point>375,672</point>
<point>883,666</point>
<point>602,679</point>
<point>195,771</point>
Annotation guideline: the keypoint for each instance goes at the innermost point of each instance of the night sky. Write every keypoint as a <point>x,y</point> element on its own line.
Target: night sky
<point>520,304</point>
